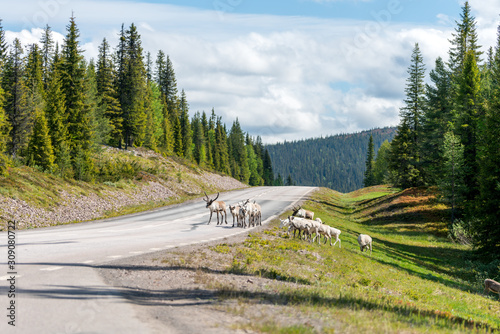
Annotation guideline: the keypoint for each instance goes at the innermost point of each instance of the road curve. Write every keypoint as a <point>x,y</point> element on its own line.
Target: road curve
<point>57,289</point>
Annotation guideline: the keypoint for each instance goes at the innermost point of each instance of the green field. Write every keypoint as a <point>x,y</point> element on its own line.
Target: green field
<point>416,281</point>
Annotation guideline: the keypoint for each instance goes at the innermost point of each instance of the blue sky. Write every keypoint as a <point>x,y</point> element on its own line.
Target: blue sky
<point>287,69</point>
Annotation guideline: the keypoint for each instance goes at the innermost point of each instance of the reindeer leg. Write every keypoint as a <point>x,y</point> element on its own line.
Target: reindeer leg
<point>210,218</point>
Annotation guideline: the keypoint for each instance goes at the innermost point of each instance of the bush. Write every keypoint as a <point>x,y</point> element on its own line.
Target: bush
<point>461,232</point>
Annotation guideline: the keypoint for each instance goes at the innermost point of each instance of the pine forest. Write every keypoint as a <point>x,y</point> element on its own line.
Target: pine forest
<point>449,135</point>
<point>335,162</point>
<point>57,109</point>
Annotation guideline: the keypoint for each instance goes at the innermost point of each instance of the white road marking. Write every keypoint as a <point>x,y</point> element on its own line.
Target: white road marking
<point>115,256</point>
<point>88,262</point>
<point>51,269</point>
<point>155,249</point>
<point>139,252</point>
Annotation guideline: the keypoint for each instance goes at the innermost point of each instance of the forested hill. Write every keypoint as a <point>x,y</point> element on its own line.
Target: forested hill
<point>336,162</point>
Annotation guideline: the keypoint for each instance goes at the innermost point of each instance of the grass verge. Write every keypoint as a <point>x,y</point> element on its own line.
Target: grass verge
<point>416,281</point>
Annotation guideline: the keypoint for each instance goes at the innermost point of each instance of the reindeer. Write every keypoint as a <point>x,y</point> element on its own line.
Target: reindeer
<point>299,212</point>
<point>216,206</point>
<point>491,285</point>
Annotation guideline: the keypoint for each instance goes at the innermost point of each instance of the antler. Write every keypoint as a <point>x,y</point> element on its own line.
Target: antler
<point>216,197</point>
<point>206,200</point>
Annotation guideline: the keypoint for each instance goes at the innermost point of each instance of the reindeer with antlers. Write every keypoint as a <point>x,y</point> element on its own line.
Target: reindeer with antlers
<point>299,212</point>
<point>216,206</point>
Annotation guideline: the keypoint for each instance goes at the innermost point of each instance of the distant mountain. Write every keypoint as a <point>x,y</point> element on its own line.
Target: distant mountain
<point>336,162</point>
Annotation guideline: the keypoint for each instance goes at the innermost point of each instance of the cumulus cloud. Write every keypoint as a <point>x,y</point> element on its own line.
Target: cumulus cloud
<point>284,78</point>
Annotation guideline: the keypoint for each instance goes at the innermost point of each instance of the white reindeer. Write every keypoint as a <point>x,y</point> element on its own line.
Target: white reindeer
<point>216,206</point>
<point>365,241</point>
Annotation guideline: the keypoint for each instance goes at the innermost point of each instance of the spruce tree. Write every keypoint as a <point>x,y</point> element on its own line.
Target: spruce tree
<point>167,133</point>
<point>239,154</point>
<point>105,78</point>
<point>99,124</point>
<point>199,152</point>
<point>13,83</point>
<point>268,169</point>
<point>437,116</point>
<point>40,152</point>
<point>464,39</point>
<point>134,90</point>
<point>186,131</point>
<point>403,172</point>
<point>467,121</point>
<point>47,42</point>
<point>369,179</point>
<point>408,143</point>
<point>452,181</point>
<point>487,228</point>
<point>4,135</point>
<point>222,147</point>
<point>3,47</point>
<point>73,87</point>
<point>55,111</point>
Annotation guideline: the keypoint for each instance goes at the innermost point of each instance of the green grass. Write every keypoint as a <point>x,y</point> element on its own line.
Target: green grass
<point>416,281</point>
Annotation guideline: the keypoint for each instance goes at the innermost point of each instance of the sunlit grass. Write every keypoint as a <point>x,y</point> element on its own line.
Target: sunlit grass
<point>416,281</point>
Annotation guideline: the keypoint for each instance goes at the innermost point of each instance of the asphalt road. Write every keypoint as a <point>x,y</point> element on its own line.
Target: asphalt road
<point>56,286</point>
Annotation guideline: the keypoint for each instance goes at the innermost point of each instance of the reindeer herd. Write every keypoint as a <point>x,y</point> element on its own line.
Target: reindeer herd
<point>242,212</point>
<point>247,213</point>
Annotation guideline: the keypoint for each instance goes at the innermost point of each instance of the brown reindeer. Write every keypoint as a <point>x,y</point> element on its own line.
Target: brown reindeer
<point>216,206</point>
<point>491,285</point>
<point>299,212</point>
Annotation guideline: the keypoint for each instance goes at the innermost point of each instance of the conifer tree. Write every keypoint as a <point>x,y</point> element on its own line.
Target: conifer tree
<point>467,121</point>
<point>3,47</point>
<point>13,83</point>
<point>408,144</point>
<point>403,172</point>
<point>487,228</point>
<point>55,111</point>
<point>268,169</point>
<point>167,134</point>
<point>169,87</point>
<point>105,78</point>
<point>34,85</point>
<point>47,42</point>
<point>464,39</point>
<point>186,131</point>
<point>222,147</point>
<point>99,124</point>
<point>369,179</point>
<point>199,152</point>
<point>40,152</point>
<point>73,75</point>
<point>4,134</point>
<point>176,128</point>
<point>208,132</point>
<point>452,181</point>
<point>437,116</point>
<point>134,90</point>
<point>239,153</point>
<point>154,121</point>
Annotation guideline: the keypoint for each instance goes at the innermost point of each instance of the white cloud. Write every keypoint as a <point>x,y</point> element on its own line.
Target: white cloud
<point>279,75</point>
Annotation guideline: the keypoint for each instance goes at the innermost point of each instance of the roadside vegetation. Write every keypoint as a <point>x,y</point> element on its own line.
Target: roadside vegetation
<point>128,181</point>
<point>417,280</point>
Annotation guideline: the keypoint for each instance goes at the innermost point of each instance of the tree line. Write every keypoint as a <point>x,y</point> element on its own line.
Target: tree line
<point>449,134</point>
<point>57,109</point>
<point>334,162</point>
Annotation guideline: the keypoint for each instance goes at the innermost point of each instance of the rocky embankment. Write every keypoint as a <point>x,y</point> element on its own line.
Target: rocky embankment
<point>153,190</point>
